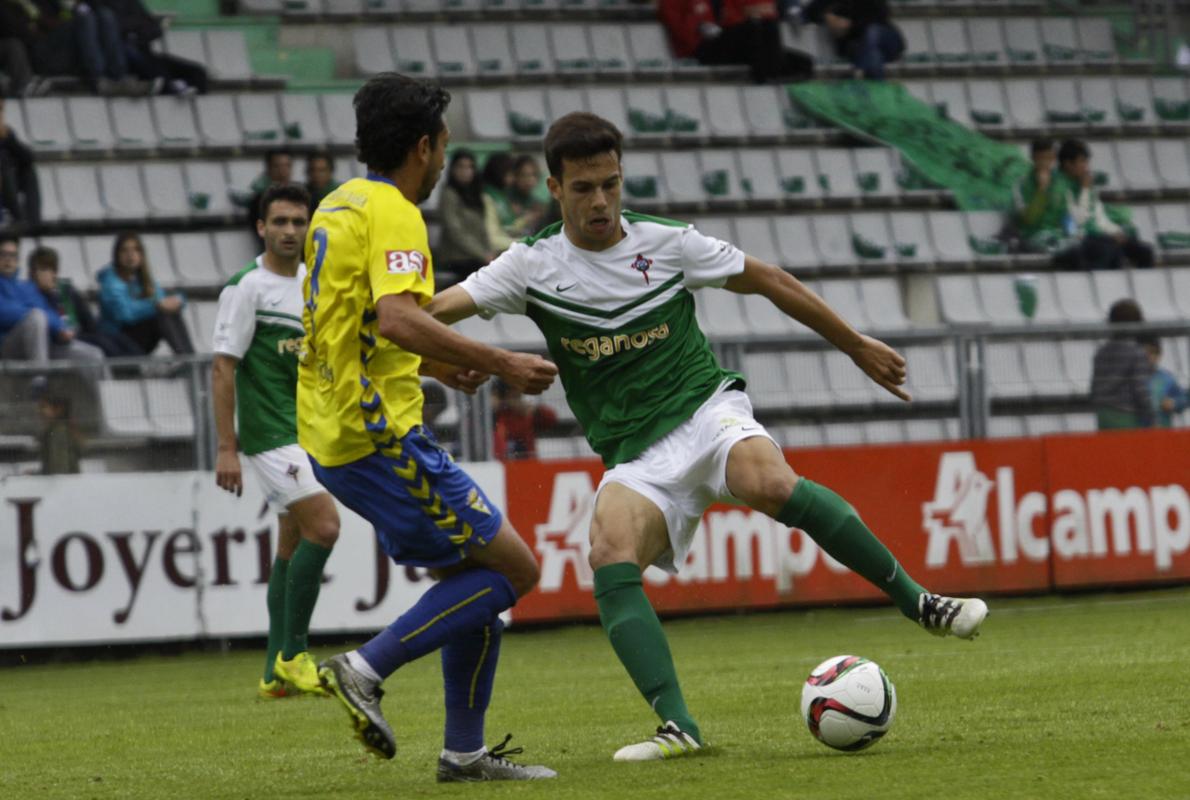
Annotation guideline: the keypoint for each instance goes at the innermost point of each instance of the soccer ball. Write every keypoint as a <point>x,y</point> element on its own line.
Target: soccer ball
<point>848,702</point>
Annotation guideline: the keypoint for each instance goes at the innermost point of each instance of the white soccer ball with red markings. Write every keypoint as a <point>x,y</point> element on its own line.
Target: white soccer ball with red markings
<point>848,702</point>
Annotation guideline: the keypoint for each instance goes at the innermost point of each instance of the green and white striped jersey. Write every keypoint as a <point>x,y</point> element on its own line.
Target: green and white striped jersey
<point>260,322</point>
<point>619,324</point>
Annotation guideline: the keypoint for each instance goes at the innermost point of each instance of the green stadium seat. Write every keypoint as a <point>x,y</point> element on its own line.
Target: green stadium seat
<point>648,114</point>
<point>1059,41</point>
<point>1097,98</point>
<point>1023,40</point>
<point>719,174</point>
<point>988,109</point>
<point>836,174</point>
<point>411,50</point>
<point>911,238</point>
<point>871,241</point>
<point>1134,103</point>
<point>874,171</point>
<point>1172,224</point>
<point>645,186</point>
<point>1063,107</point>
<point>261,120</point>
<point>206,189</point>
<point>687,117</point>
<point>1171,103</point>
<point>302,120</point>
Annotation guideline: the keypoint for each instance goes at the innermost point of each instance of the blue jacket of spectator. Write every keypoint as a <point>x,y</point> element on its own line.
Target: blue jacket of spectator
<point>123,302</point>
<point>17,298</point>
<point>1164,385</point>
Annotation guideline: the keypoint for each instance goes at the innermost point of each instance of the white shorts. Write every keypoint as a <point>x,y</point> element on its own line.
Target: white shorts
<point>686,471</point>
<point>285,475</point>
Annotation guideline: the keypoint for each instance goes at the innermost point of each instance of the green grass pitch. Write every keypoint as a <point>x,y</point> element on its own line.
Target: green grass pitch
<point>1078,697</point>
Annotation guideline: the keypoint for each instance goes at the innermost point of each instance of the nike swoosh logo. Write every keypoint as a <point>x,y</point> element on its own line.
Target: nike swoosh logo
<point>559,288</point>
<point>274,303</point>
<point>749,427</point>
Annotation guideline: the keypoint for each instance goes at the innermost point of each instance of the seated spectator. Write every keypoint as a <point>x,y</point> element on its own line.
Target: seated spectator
<point>132,304</point>
<point>463,207</point>
<point>32,330</point>
<point>1120,375</point>
<point>862,30</point>
<point>165,73</point>
<point>1040,202</point>
<point>743,32</point>
<point>278,168</point>
<point>16,73</point>
<point>74,38</point>
<point>497,181</point>
<point>530,209</point>
<point>20,194</point>
<point>517,423</point>
<point>72,307</point>
<point>1102,243</point>
<point>320,177</point>
<point>1169,398</point>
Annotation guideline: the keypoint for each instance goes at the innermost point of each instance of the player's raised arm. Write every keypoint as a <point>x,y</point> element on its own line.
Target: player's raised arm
<point>405,323</point>
<point>880,362</point>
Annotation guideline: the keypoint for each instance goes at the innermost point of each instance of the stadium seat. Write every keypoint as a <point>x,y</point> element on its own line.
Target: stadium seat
<point>1171,219</point>
<point>187,44</point>
<point>486,115</point>
<point>207,189</point>
<point>987,42</point>
<point>80,184</point>
<point>165,190</point>
<point>988,108</point>
<point>261,120</point>
<point>531,51</point>
<point>217,123</point>
<point>453,54</point>
<point>411,50</point>
<point>372,49</point>
<point>562,100</point>
<point>610,104</point>
<point>1060,41</point>
<point>122,192</point>
<point>339,118</point>
<point>51,205</point>
<point>1152,290</point>
<point>1110,286</point>
<point>983,236</point>
<point>725,113</point>
<point>911,237</point>
<point>883,305</point>
<point>872,245</point>
<point>91,125</point>
<point>687,117</point>
<point>929,373</point>
<point>682,176</point>
<point>842,434</point>
<point>1105,164</point>
<point>1024,41</point>
<point>1063,108</point>
<point>1098,101</point>
<point>1134,102</point>
<point>609,49</point>
<point>1080,423</point>
<point>1005,371</point>
<point>1048,310</point>
<point>949,235</point>
<point>194,260</point>
<point>1023,96</point>
<point>572,49</point>
<point>520,333</point>
<point>644,184</point>
<point>811,388</point>
<point>124,409</point>
<point>175,123</point>
<point>883,431</point>
<point>1170,99</point>
<point>948,39</point>
<point>1173,160</point>
<point>766,320</point>
<point>233,251</point>
<point>997,299</point>
<point>649,50</point>
<point>919,55</point>
<point>924,430</point>
<point>227,53</point>
<point>46,128</point>
<point>794,246</point>
<point>720,315</point>
<point>952,101</point>
<point>875,172</point>
<point>759,179</point>
<point>493,50</point>
<point>843,296</point>
<point>168,406</point>
<point>1136,166</point>
<point>720,177</point>
<point>1076,298</point>
<point>1005,427</point>
<point>832,239</point>
<point>1044,370</point>
<point>159,257</point>
<point>1096,41</point>
<point>97,251</point>
<point>836,173</point>
<point>1077,357</point>
<point>754,235</point>
<point>798,174</point>
<point>763,109</point>
<point>302,119</point>
<point>958,302</point>
<point>133,125</point>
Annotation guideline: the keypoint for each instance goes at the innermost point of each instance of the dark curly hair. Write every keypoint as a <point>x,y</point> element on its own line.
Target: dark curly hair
<point>287,192</point>
<point>577,136</point>
<point>392,113</point>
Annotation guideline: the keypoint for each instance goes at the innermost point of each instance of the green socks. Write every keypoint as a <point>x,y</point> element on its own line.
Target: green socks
<point>836,527</point>
<point>276,604</point>
<point>304,582</point>
<point>636,636</point>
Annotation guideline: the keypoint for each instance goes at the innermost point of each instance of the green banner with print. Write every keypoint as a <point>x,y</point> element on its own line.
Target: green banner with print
<point>938,152</point>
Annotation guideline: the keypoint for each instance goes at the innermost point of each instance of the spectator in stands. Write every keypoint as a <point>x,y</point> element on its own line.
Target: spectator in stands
<point>31,329</point>
<point>320,177</point>
<point>862,30</point>
<point>132,304</point>
<point>1120,373</point>
<point>71,307</point>
<point>743,32</point>
<point>1102,243</point>
<point>498,176</point>
<point>464,209</point>
<point>20,194</point>
<point>1168,396</point>
<point>166,73</point>
<point>278,168</point>
<point>16,72</point>
<point>1040,201</point>
<point>529,208</point>
<point>517,423</point>
<point>60,441</point>
<point>73,38</point>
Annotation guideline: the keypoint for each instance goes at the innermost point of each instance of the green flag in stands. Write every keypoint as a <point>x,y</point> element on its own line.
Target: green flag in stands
<point>981,172</point>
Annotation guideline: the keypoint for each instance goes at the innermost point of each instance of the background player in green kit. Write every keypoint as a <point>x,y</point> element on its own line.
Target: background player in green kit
<point>610,290</point>
<point>258,333</point>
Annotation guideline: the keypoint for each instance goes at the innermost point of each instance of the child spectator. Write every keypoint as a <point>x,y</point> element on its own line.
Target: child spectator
<point>72,307</point>
<point>1168,397</point>
<point>1120,373</point>
<point>131,303</point>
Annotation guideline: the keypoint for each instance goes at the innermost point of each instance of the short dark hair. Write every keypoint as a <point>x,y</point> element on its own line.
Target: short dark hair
<point>1126,310</point>
<point>580,135</point>
<point>10,238</point>
<point>287,192</point>
<point>42,256</point>
<point>525,159</point>
<point>1150,340</point>
<point>392,113</point>
<point>1041,146</point>
<point>1072,149</point>
<point>497,166</point>
<point>273,152</point>
<point>324,155</point>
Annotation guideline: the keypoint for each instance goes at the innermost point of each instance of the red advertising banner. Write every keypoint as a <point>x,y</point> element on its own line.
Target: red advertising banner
<point>962,517</point>
<point>1120,506</point>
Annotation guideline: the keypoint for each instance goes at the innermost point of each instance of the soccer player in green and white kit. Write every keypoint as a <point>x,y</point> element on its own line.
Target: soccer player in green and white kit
<point>610,291</point>
<point>258,333</point>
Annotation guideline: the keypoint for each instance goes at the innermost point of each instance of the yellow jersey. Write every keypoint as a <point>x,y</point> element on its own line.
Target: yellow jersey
<point>357,391</point>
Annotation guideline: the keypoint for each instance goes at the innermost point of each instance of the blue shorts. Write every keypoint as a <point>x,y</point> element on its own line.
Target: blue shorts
<point>427,512</point>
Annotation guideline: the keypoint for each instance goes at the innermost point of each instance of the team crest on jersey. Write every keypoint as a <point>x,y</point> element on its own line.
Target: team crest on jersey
<point>641,265</point>
<point>475,501</point>
<point>404,261</point>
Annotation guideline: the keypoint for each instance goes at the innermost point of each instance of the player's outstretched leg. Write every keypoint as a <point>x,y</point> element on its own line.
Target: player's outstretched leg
<point>468,672</point>
<point>317,521</point>
<point>460,603</point>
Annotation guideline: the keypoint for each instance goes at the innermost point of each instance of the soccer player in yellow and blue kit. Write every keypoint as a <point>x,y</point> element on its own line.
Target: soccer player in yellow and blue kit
<point>360,419</point>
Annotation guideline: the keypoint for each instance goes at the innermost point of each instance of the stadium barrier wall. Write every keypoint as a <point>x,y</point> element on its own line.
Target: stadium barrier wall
<point>143,557</point>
